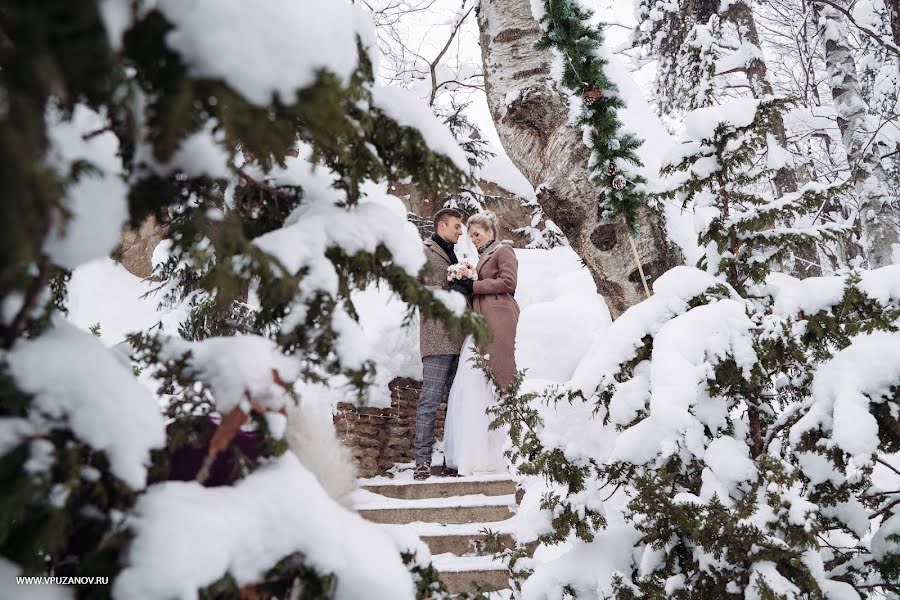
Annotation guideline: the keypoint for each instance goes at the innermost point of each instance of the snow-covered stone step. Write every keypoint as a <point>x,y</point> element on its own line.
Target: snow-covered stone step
<point>467,573</point>
<point>424,529</point>
<point>462,544</point>
<point>365,500</point>
<point>458,509</point>
<point>442,487</point>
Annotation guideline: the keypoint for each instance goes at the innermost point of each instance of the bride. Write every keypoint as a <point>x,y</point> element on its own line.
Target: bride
<point>469,446</point>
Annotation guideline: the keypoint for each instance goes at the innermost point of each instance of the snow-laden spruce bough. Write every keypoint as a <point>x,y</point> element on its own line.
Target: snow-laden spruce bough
<point>735,432</point>
<point>139,114</point>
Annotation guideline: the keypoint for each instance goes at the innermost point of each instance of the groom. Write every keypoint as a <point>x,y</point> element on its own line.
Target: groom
<point>440,352</point>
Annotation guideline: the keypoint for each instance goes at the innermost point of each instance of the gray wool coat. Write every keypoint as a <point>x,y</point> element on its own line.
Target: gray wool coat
<point>498,274</point>
<point>433,335</point>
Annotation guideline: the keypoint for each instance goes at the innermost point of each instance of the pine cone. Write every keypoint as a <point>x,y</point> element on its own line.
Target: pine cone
<point>619,182</point>
<point>592,95</point>
<point>611,169</point>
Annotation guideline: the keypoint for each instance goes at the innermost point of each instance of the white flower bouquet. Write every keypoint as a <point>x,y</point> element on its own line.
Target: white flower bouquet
<point>461,270</point>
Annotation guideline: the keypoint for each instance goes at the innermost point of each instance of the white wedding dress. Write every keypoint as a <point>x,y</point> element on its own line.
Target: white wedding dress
<point>468,443</point>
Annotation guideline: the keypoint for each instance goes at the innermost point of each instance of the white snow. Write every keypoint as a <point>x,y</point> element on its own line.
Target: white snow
<point>813,294</point>
<point>96,203</point>
<point>682,350</point>
<point>103,292</point>
<point>394,347</point>
<point>500,169</point>
<point>671,292</point>
<point>366,500</point>
<point>406,478</point>
<point>561,313</point>
<point>270,47</point>
<point>843,388</point>
<point>450,563</point>
<point>818,468</point>
<point>881,545</point>
<point>201,153</point>
<point>188,536</point>
<point>424,529</point>
<point>700,124</point>
<point>320,224</point>
<point>767,572</point>
<point>729,459</point>
<point>588,568</point>
<point>238,369</point>
<point>75,380</point>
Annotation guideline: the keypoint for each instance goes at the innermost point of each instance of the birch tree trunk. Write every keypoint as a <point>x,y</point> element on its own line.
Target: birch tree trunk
<point>877,221</point>
<point>893,8</point>
<point>531,117</point>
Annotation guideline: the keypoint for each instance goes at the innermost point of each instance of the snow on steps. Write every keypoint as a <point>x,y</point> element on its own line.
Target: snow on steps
<point>441,487</point>
<point>471,508</point>
<point>468,573</point>
<point>449,515</point>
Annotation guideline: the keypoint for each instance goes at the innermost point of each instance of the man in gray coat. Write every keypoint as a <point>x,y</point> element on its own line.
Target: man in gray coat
<point>440,352</point>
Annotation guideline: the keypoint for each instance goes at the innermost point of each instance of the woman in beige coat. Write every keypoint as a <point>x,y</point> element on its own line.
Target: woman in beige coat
<point>494,294</point>
<point>469,445</point>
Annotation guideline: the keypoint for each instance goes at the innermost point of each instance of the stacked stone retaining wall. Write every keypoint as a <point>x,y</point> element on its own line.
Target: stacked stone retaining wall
<point>383,437</point>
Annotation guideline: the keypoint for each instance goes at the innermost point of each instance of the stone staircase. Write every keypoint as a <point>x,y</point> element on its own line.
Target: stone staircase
<point>448,514</point>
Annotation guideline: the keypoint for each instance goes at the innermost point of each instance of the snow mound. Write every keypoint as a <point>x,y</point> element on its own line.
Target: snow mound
<point>672,291</point>
<point>684,349</point>
<point>103,292</point>
<point>188,536</point>
<point>561,313</point>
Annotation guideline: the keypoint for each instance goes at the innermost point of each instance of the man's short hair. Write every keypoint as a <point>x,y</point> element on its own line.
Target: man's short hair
<point>446,213</point>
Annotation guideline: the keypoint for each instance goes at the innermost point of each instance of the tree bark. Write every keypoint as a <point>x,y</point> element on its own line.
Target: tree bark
<point>879,230</point>
<point>893,8</point>
<point>531,116</point>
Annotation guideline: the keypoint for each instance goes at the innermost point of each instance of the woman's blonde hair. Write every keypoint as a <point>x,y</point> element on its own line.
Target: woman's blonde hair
<point>485,220</point>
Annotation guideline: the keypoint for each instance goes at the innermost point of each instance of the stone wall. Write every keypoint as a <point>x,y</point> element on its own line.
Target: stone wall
<point>382,437</point>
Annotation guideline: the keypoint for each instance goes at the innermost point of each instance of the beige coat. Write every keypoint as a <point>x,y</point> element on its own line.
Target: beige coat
<point>433,335</point>
<point>498,271</point>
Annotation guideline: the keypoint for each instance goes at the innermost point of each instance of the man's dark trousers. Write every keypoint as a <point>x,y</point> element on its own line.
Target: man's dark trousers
<point>438,371</point>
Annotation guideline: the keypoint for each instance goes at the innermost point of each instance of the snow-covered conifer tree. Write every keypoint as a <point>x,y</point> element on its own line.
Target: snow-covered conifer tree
<point>257,135</point>
<point>723,457</point>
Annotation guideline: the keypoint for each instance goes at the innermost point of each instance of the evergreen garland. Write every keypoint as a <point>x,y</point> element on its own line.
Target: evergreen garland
<point>567,29</point>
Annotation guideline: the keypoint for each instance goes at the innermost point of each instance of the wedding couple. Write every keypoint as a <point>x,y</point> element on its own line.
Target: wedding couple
<point>469,446</point>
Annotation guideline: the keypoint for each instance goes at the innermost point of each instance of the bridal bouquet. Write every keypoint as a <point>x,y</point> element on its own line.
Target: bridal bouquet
<point>461,270</point>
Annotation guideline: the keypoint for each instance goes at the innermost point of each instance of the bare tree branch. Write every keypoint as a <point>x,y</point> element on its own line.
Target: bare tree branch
<point>890,47</point>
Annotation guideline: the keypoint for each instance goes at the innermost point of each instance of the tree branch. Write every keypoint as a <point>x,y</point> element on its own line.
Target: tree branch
<point>20,321</point>
<point>874,35</point>
<point>433,65</point>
